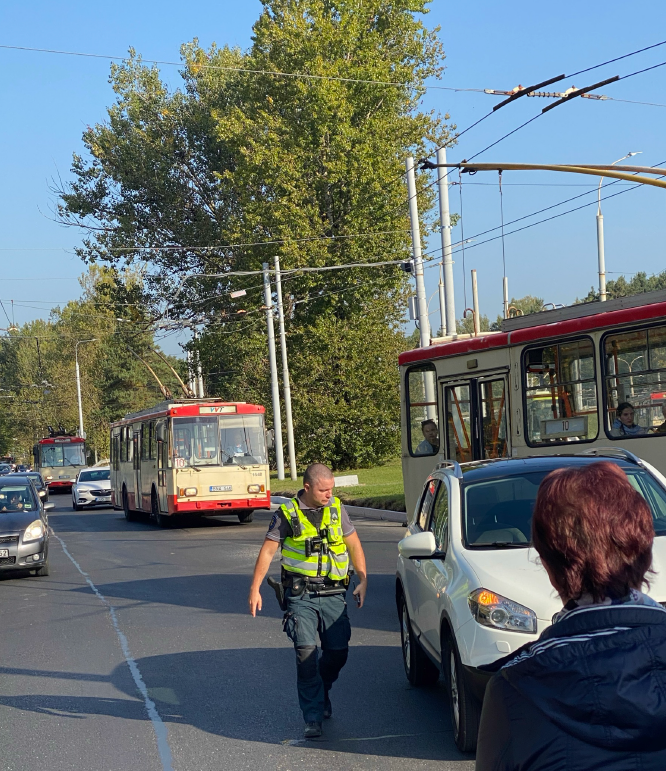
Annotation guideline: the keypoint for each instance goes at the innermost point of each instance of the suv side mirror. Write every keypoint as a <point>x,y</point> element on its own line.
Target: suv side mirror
<point>418,546</point>
<point>270,439</point>
<point>49,506</point>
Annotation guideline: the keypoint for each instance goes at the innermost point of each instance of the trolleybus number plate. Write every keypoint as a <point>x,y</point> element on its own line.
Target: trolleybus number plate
<point>221,488</point>
<point>4,553</point>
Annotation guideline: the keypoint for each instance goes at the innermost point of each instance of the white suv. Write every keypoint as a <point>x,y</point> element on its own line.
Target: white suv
<point>470,588</point>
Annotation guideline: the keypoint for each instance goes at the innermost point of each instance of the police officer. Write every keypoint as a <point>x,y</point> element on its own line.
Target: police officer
<point>317,540</point>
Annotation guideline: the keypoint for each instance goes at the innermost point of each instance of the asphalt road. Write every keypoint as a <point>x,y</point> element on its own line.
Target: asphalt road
<point>138,652</point>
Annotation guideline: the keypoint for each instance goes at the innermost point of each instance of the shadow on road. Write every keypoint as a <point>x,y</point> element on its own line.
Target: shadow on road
<point>250,694</point>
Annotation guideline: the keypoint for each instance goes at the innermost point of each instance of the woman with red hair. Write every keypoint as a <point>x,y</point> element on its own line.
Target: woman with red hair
<point>591,692</point>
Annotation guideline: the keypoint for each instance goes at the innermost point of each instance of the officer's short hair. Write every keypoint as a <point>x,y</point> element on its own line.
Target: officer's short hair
<point>315,472</point>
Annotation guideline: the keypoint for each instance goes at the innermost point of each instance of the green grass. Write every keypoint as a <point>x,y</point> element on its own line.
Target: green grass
<point>378,488</point>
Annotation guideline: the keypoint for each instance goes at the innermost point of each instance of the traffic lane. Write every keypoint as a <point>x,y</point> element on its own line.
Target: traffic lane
<point>224,682</point>
<point>66,700</point>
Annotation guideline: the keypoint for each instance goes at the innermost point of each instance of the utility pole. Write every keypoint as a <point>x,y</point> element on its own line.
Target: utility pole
<point>198,377</point>
<point>422,305</point>
<point>447,257</point>
<point>275,388</point>
<point>81,432</point>
<point>505,293</point>
<point>285,373</point>
<point>442,303</point>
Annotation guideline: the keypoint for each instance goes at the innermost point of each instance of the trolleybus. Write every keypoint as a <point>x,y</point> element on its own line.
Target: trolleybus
<point>197,457</point>
<point>58,459</point>
<point>547,383</point>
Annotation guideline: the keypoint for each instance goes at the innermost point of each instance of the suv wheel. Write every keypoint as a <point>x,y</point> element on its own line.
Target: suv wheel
<point>418,667</point>
<point>465,708</point>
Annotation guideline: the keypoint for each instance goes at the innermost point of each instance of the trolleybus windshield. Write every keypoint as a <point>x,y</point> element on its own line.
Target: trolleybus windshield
<point>58,455</point>
<point>219,440</point>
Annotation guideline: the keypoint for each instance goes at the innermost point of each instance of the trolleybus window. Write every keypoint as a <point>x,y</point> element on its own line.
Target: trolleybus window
<point>423,427</point>
<point>560,393</point>
<point>242,440</point>
<point>493,415</point>
<point>55,455</point>
<point>195,440</point>
<point>635,374</point>
<point>459,423</point>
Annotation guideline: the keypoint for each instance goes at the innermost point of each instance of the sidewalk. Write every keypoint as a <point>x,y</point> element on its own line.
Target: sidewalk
<point>360,512</point>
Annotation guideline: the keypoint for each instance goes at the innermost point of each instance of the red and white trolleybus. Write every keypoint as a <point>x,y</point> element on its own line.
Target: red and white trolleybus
<point>548,383</point>
<point>59,458</point>
<point>192,456</point>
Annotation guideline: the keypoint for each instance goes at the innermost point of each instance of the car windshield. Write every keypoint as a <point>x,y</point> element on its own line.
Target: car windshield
<point>498,512</point>
<point>37,479</point>
<point>96,475</point>
<point>56,455</point>
<point>17,497</point>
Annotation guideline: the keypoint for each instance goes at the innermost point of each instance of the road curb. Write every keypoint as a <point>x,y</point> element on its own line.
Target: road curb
<point>355,511</point>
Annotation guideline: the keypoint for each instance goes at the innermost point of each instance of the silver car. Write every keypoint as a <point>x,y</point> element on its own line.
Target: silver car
<point>24,530</point>
<point>92,488</point>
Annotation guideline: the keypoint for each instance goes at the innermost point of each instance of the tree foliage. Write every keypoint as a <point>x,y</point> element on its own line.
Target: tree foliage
<point>638,284</point>
<point>241,164</point>
<point>37,362</point>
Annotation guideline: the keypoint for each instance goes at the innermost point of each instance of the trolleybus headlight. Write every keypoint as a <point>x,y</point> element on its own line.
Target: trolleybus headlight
<point>493,610</point>
<point>187,492</point>
<point>49,477</point>
<point>34,531</point>
<point>255,488</point>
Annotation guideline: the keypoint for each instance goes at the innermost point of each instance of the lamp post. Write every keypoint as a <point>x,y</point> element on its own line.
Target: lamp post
<point>600,234</point>
<point>78,383</point>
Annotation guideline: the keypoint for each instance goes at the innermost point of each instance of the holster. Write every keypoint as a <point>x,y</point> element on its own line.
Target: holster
<point>278,588</point>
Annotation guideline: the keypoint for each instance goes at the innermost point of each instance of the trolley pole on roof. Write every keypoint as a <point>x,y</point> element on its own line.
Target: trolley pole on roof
<point>285,373</point>
<point>449,313</point>
<point>421,302</point>
<point>275,388</point>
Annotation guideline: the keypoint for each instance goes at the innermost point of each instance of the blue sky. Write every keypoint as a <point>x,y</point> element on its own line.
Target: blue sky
<point>48,101</point>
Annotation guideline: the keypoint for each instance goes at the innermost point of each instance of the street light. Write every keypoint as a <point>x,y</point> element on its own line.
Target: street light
<point>600,233</point>
<point>78,383</point>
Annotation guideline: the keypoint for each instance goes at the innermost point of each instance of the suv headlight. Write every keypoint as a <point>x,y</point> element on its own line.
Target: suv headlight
<point>493,610</point>
<point>34,531</point>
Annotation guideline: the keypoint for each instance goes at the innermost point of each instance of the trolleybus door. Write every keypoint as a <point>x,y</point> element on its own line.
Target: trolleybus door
<point>136,455</point>
<point>475,411</point>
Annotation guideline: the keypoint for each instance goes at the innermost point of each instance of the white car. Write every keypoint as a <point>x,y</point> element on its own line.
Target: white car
<point>469,586</point>
<point>92,488</point>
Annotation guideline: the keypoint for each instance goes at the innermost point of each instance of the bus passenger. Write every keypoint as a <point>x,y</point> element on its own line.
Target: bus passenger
<point>624,425</point>
<point>430,443</point>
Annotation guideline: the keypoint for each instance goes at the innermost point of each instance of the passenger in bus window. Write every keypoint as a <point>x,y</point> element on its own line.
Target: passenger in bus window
<point>430,443</point>
<point>624,425</point>
<point>661,429</point>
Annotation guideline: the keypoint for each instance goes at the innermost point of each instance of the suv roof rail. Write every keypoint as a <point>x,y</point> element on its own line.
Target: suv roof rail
<point>613,451</point>
<point>457,471</point>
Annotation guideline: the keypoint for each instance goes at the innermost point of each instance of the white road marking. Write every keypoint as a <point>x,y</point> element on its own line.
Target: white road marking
<point>158,725</point>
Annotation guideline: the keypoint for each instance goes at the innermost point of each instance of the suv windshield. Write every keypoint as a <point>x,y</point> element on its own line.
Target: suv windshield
<point>95,476</point>
<point>498,512</point>
<point>16,497</point>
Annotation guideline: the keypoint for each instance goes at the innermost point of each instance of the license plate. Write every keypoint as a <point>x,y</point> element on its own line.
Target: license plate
<point>221,488</point>
<point>4,553</point>
<point>103,500</point>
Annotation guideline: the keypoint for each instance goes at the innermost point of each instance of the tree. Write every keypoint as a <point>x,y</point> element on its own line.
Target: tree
<point>620,287</point>
<point>216,178</point>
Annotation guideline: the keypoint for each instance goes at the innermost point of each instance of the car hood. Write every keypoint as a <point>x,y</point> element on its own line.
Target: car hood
<point>518,575</point>
<point>14,521</point>
<point>104,484</point>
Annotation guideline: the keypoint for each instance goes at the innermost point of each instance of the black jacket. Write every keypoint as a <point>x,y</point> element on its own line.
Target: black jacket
<point>589,694</point>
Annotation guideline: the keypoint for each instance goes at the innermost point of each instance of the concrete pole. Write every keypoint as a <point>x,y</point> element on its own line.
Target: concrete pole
<point>198,380</point>
<point>285,373</point>
<point>505,291</point>
<point>447,257</point>
<point>475,305</point>
<point>602,259</point>
<point>275,388</point>
<point>190,373</point>
<point>422,304</point>
<point>442,303</point>
<point>78,390</point>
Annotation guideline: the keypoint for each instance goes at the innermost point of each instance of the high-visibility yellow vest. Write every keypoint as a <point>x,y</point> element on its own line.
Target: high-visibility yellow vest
<point>335,563</point>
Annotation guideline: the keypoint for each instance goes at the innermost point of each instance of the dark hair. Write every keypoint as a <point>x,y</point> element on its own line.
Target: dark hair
<point>622,406</point>
<point>593,530</point>
<point>430,420</point>
<point>316,471</point>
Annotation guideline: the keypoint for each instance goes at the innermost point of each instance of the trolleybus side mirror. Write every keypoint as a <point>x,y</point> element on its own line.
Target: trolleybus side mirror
<point>160,432</point>
<point>270,439</point>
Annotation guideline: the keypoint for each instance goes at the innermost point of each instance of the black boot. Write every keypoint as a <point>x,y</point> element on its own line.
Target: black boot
<point>312,730</point>
<point>328,708</point>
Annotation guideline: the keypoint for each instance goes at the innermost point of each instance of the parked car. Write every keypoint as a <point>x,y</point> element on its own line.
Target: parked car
<point>38,480</point>
<point>470,588</point>
<point>92,488</point>
<point>5,468</point>
<point>24,532</point>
